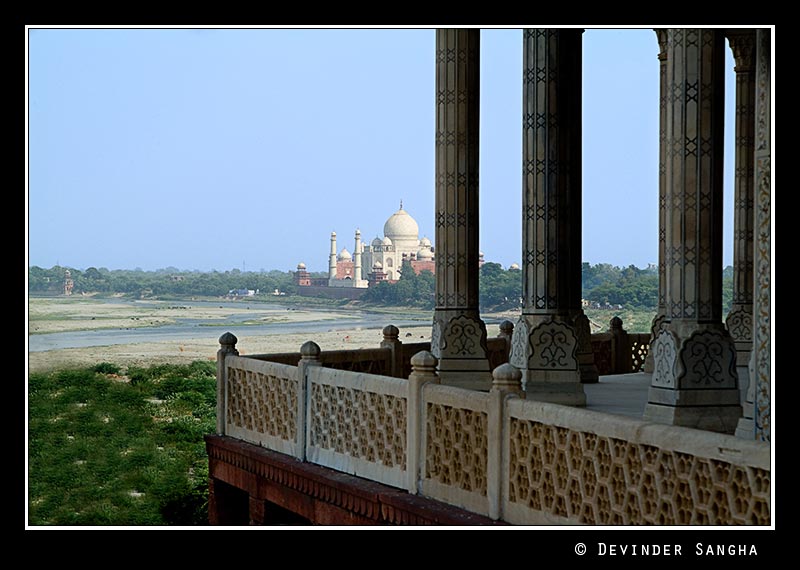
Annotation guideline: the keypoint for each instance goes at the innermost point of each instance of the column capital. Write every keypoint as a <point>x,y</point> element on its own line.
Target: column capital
<point>661,35</point>
<point>743,45</point>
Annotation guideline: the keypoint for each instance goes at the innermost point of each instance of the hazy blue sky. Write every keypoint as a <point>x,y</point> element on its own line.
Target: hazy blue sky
<point>219,148</point>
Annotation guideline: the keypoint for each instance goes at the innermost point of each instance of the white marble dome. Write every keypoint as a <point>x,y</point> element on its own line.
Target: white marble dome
<point>345,255</point>
<point>401,225</point>
<point>377,242</point>
<point>514,266</point>
<point>424,254</point>
<point>425,242</point>
<point>386,241</point>
<point>301,265</point>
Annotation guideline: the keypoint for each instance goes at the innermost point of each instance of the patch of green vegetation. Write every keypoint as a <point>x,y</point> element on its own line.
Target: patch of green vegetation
<point>102,451</point>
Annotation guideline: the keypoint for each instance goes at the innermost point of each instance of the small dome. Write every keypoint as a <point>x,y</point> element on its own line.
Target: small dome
<point>401,225</point>
<point>480,254</point>
<point>301,265</point>
<point>425,242</point>
<point>514,266</point>
<point>344,255</point>
<point>377,265</point>
<point>377,242</point>
<point>424,254</point>
<point>387,241</point>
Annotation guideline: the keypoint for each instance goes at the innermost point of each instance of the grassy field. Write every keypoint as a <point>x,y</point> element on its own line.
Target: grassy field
<point>120,447</point>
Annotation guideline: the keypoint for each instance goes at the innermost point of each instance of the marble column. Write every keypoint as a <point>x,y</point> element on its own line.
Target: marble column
<point>545,343</point>
<point>458,336</point>
<point>694,379</point>
<point>740,318</point>
<point>658,320</point>
<point>762,255</point>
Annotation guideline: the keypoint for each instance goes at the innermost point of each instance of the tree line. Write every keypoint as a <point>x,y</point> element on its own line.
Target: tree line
<point>169,281</point>
<point>499,289</point>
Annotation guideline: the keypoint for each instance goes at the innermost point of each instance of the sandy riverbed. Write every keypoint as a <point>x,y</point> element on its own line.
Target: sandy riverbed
<point>184,352</point>
<point>50,315</point>
<point>80,313</point>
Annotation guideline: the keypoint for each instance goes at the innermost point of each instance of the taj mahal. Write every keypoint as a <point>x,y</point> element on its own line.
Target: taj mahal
<point>380,260</point>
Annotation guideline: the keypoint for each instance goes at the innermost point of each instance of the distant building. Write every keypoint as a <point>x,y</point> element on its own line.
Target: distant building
<point>242,293</point>
<point>380,260</point>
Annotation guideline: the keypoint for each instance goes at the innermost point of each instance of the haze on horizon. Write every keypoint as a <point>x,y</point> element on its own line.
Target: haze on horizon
<point>217,149</point>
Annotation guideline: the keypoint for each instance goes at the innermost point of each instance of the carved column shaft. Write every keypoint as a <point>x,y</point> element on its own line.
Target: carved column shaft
<point>694,379</point>
<point>658,320</point>
<point>762,260</point>
<point>545,343</point>
<point>459,335</point>
<point>740,318</point>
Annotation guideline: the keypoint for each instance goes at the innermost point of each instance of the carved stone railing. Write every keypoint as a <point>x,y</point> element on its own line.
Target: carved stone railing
<point>573,466</point>
<point>615,352</point>
<point>493,453</point>
<point>619,352</point>
<point>368,360</point>
<point>357,424</point>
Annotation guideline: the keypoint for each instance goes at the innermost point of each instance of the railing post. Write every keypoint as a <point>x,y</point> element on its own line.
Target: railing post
<point>621,358</point>
<point>507,332</point>
<point>227,345</point>
<point>391,340</point>
<point>309,352</point>
<point>423,371</point>
<point>506,382</point>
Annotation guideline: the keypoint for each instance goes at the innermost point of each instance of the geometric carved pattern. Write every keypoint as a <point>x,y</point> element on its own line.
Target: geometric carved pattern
<point>665,351</point>
<point>762,229</point>
<point>553,345</point>
<point>262,403</point>
<point>707,359</point>
<point>358,423</point>
<point>607,481</point>
<point>519,345</point>
<point>463,336</point>
<point>740,324</point>
<point>456,447</point>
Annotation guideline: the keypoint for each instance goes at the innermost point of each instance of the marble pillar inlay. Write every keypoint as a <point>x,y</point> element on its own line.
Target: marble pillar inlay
<point>458,338</point>
<point>658,320</point>
<point>762,260</point>
<point>549,337</point>
<point>694,381</point>
<point>740,318</point>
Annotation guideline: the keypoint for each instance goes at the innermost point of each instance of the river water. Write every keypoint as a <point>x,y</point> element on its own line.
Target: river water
<point>213,328</point>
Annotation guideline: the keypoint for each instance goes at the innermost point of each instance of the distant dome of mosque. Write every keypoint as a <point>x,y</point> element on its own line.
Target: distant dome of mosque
<point>344,255</point>
<point>425,242</point>
<point>401,225</point>
<point>514,266</point>
<point>301,265</point>
<point>424,254</point>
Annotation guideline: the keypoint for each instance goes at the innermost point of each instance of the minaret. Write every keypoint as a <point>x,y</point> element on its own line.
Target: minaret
<point>357,259</point>
<point>332,262</point>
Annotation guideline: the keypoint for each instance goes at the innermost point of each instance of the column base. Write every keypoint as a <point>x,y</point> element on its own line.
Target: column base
<point>458,340</point>
<point>746,429</point>
<point>744,382</point>
<point>723,419</point>
<point>544,348</point>
<point>569,393</point>
<point>470,374</point>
